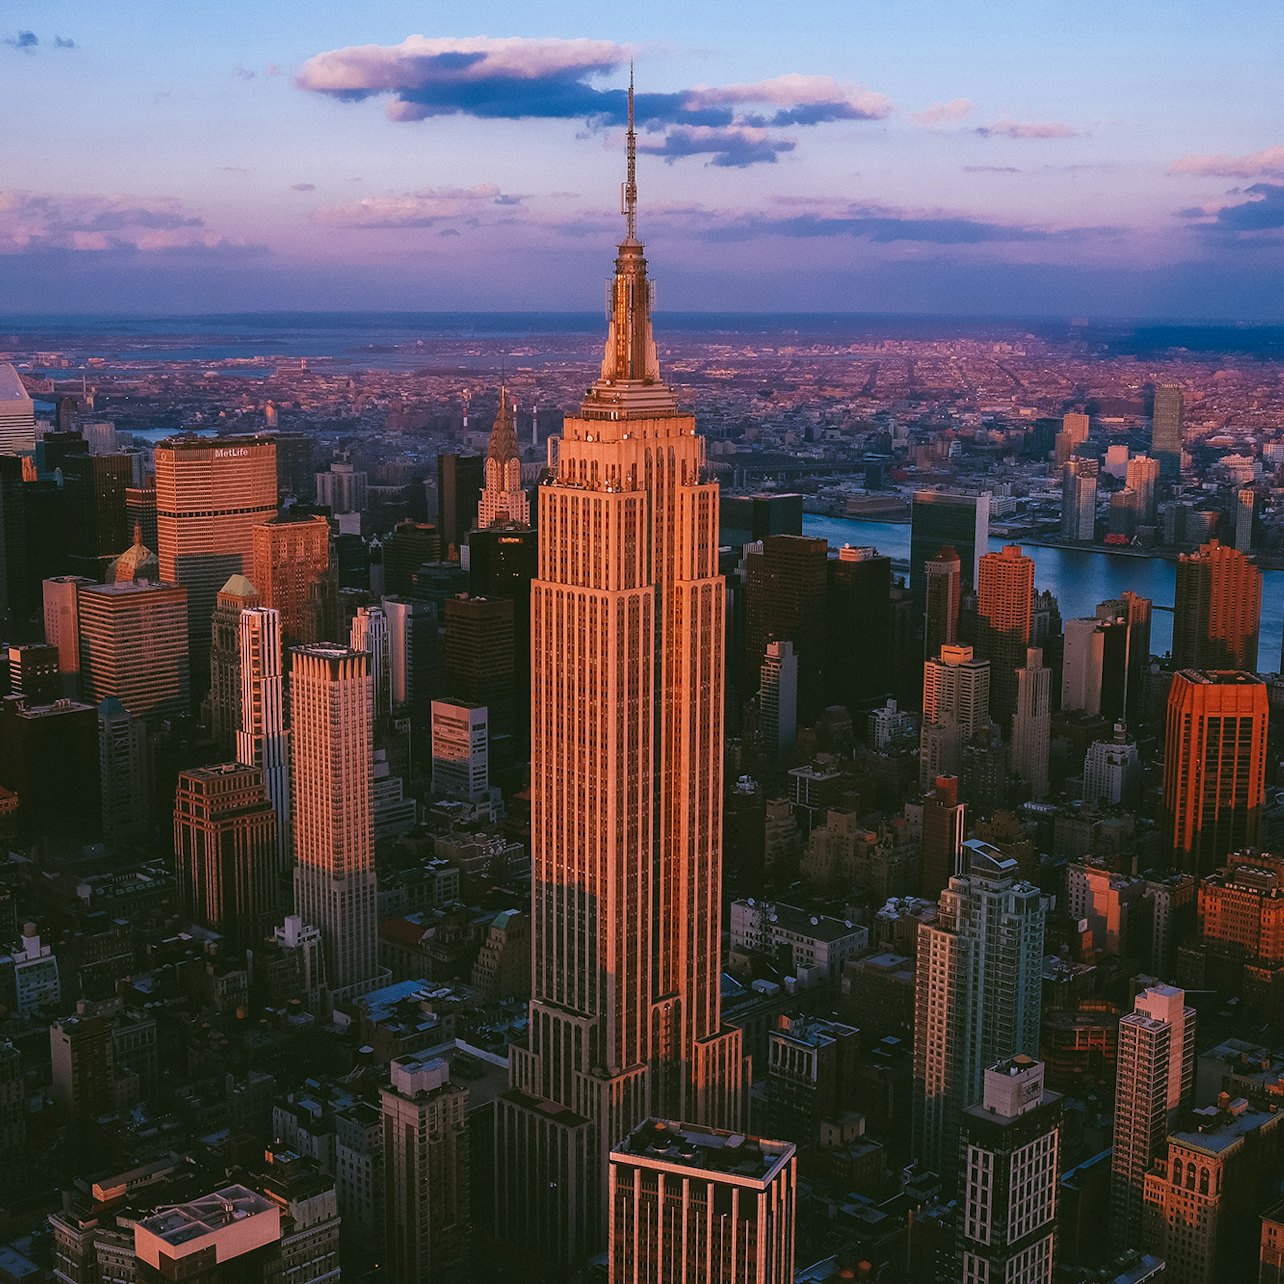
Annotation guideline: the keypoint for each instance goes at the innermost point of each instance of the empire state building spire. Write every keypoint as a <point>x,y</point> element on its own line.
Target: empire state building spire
<point>629,385</point>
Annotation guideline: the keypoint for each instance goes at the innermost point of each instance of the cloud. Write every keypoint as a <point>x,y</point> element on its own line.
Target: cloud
<point>733,146</point>
<point>32,222</point>
<point>244,73</point>
<point>1261,211</point>
<point>1027,129</point>
<point>60,43</point>
<point>1268,163</point>
<point>426,208</point>
<point>991,169</point>
<point>944,113</point>
<point>303,187</point>
<point>27,40</point>
<point>551,79</point>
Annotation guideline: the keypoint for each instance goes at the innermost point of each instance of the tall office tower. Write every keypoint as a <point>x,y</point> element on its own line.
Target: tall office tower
<point>746,519</point>
<point>13,542</point>
<point>1074,432</point>
<point>1079,500</point>
<point>460,751</point>
<point>502,497</point>
<point>1094,666</point>
<point>125,768</point>
<point>859,655</point>
<point>1143,479</point>
<point>17,415</point>
<point>1244,514</point>
<point>1136,612</point>
<point>1214,766</point>
<point>1011,1145</point>
<point>941,618</point>
<point>627,657</point>
<point>226,850</point>
<point>343,488</point>
<point>1005,594</point>
<point>692,1205</point>
<point>459,480</point>
<point>296,464</point>
<point>83,1065</point>
<point>33,672</point>
<point>95,486</point>
<point>210,495</point>
<point>1032,724</point>
<point>370,633</point>
<point>412,630</point>
<point>290,555</point>
<point>261,738</point>
<point>426,1174</point>
<point>49,758</point>
<point>944,828</point>
<point>1154,1077</point>
<point>1112,770</point>
<point>956,706</point>
<point>785,584</point>
<point>778,701</point>
<point>1217,610</point>
<point>503,562</point>
<point>479,655</point>
<point>940,519</point>
<point>1167,430</point>
<point>140,513</point>
<point>976,994</point>
<point>410,545</point>
<point>133,645</point>
<point>62,627</point>
<point>224,698</point>
<point>331,708</point>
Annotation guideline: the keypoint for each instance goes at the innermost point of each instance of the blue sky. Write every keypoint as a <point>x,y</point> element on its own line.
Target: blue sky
<point>1121,159</point>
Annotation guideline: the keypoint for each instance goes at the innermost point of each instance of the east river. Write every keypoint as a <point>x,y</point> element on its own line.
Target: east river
<point>1080,578</point>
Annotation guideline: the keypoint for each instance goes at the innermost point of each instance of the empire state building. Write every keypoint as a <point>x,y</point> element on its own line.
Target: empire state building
<point>627,620</point>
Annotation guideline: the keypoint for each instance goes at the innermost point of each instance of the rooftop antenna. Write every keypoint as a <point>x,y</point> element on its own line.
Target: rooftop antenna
<point>629,192</point>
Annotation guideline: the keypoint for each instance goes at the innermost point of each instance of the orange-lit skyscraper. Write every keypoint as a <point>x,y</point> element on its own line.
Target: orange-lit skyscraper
<point>290,555</point>
<point>626,831</point>
<point>1217,609</point>
<point>1214,766</point>
<point>1005,594</point>
<point>261,738</point>
<point>210,495</point>
<point>502,498</point>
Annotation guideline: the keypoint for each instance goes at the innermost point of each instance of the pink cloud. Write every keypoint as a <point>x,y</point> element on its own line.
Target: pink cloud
<point>1268,163</point>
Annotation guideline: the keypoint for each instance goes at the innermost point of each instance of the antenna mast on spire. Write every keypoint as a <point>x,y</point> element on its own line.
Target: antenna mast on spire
<point>629,192</point>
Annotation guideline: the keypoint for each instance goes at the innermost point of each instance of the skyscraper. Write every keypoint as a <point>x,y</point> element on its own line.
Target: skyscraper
<point>96,486</point>
<point>290,554</point>
<point>225,850</point>
<point>224,699</point>
<point>1032,724</point>
<point>261,738</point>
<point>956,706</point>
<point>17,415</point>
<point>778,701</point>
<point>502,497</point>
<point>370,633</point>
<point>627,673</point>
<point>1005,594</point>
<point>479,655</point>
<point>940,518</point>
<point>1154,1077</point>
<point>426,1174</point>
<point>941,620</point>
<point>459,480</point>
<point>62,627</point>
<point>977,994</point>
<point>1011,1145</point>
<point>460,751</point>
<point>694,1205</point>
<point>1214,766</point>
<point>1217,609</point>
<point>125,767</point>
<point>1167,430</point>
<point>330,789</point>
<point>944,828</point>
<point>1079,500</point>
<point>1142,478</point>
<point>210,495</point>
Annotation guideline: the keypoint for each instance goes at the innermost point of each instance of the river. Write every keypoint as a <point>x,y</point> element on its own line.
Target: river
<point>1080,578</point>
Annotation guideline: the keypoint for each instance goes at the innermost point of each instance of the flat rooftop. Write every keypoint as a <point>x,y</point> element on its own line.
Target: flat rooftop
<point>730,1154</point>
<point>204,1216</point>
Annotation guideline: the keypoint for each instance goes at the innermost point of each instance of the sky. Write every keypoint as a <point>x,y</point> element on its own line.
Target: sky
<point>1101,158</point>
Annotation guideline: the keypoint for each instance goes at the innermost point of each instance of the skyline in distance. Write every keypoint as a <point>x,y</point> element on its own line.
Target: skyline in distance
<point>988,159</point>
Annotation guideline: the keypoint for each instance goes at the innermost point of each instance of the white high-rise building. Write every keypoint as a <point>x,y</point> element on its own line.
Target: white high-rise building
<point>1008,1188</point>
<point>17,415</point>
<point>1154,1077</point>
<point>956,706</point>
<point>627,672</point>
<point>778,700</point>
<point>331,766</point>
<point>369,632</point>
<point>976,994</point>
<point>1112,769</point>
<point>408,655</point>
<point>262,740</point>
<point>1082,665</point>
<point>460,751</point>
<point>1032,723</point>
